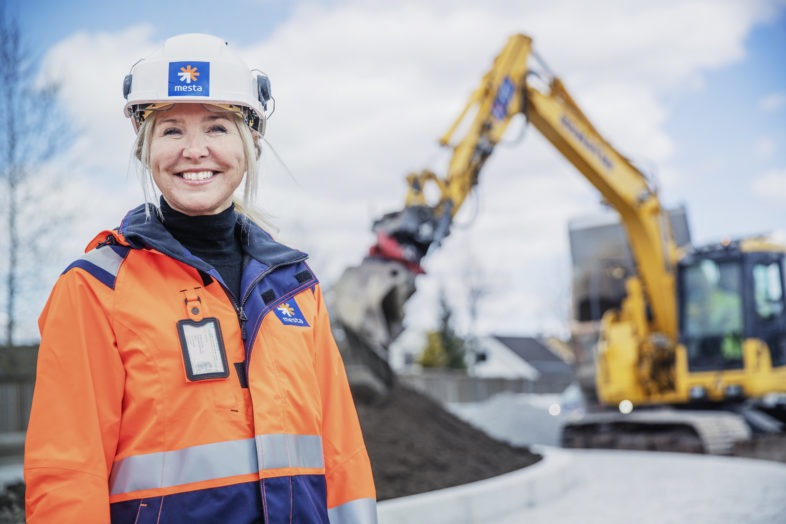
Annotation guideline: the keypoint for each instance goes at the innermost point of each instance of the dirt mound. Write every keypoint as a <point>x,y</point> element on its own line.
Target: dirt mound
<point>416,446</point>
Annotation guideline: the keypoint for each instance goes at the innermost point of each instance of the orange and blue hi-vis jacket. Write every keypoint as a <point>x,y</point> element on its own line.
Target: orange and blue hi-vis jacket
<point>162,398</point>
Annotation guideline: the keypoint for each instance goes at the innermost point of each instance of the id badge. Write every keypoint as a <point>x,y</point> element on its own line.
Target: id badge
<point>203,349</point>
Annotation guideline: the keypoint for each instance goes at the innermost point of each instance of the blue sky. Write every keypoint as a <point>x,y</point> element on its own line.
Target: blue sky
<point>694,90</point>
<point>51,21</point>
<point>721,131</point>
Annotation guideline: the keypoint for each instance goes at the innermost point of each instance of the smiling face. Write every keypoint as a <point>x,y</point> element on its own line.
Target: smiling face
<point>197,158</point>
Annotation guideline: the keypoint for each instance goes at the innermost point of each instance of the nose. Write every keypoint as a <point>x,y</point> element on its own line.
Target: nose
<point>195,146</point>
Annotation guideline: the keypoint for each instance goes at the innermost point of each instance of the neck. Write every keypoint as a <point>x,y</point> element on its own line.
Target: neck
<point>211,238</point>
<point>203,232</point>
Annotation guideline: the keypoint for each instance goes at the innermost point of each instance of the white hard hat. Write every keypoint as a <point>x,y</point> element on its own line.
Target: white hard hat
<point>196,68</point>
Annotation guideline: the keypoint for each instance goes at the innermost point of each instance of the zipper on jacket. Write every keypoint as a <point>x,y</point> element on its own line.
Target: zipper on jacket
<point>241,315</point>
<point>239,311</point>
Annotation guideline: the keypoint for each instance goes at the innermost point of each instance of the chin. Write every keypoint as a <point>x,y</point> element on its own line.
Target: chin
<point>197,208</point>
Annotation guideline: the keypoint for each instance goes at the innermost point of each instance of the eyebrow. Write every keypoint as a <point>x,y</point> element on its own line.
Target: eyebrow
<point>177,120</point>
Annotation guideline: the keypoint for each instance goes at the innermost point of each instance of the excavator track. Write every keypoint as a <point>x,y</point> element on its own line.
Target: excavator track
<point>714,433</point>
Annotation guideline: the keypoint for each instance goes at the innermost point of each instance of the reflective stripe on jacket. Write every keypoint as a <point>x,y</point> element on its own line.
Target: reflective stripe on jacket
<point>137,417</point>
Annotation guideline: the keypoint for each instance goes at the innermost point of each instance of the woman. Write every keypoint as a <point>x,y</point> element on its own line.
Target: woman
<point>187,372</point>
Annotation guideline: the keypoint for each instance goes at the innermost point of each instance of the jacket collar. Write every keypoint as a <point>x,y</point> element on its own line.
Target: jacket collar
<point>144,230</point>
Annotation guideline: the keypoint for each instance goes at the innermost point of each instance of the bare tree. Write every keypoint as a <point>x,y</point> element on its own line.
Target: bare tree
<point>32,132</point>
<point>478,287</point>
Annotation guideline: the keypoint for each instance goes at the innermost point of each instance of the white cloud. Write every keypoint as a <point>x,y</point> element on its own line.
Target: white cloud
<point>765,147</point>
<point>771,186</point>
<point>772,102</point>
<point>91,67</point>
<point>364,89</point>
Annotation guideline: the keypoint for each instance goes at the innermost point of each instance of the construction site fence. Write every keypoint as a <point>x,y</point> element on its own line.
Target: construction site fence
<point>17,377</point>
<point>458,387</point>
<point>16,396</point>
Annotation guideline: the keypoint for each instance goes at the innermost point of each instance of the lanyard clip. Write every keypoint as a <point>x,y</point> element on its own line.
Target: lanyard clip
<point>193,303</point>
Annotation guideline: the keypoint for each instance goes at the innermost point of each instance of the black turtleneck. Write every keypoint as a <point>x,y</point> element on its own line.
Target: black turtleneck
<point>213,238</point>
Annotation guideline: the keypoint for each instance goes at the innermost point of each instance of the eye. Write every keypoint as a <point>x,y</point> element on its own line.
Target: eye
<point>171,131</point>
<point>217,128</point>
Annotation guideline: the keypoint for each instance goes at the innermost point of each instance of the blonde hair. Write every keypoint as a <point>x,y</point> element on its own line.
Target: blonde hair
<point>252,152</point>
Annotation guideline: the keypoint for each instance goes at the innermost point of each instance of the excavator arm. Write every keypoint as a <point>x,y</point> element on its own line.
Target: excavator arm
<point>369,299</point>
<point>626,189</point>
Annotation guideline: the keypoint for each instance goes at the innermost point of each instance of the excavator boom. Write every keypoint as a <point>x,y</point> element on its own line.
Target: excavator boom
<point>370,298</point>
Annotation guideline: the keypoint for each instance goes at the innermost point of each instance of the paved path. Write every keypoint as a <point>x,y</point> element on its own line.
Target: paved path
<point>620,487</point>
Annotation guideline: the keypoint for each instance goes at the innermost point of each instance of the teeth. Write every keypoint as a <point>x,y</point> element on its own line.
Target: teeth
<point>199,175</point>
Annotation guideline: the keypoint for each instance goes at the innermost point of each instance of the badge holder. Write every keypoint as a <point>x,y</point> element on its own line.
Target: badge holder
<point>202,344</point>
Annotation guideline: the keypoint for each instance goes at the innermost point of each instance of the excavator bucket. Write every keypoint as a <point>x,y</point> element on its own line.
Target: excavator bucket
<point>368,310</point>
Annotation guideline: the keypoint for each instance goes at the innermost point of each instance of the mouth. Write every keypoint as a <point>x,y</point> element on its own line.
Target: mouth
<point>197,176</point>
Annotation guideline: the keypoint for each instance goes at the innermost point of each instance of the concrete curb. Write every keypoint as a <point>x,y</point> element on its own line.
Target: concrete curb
<point>486,500</point>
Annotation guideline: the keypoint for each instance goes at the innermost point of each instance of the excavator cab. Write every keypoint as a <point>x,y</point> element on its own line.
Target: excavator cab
<point>730,297</point>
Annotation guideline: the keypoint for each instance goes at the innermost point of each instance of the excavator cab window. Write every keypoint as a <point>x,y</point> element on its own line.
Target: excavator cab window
<point>767,291</point>
<point>768,322</point>
<point>711,313</point>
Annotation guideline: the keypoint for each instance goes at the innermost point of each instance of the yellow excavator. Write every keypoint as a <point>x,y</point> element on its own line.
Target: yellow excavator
<point>700,334</point>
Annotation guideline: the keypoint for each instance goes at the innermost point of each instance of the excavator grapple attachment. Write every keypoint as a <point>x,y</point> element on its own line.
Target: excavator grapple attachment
<point>368,312</point>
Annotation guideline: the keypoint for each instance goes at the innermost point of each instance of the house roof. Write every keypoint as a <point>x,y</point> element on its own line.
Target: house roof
<point>536,353</point>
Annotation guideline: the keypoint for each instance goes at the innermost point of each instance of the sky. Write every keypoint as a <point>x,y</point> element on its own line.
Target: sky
<point>694,91</point>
